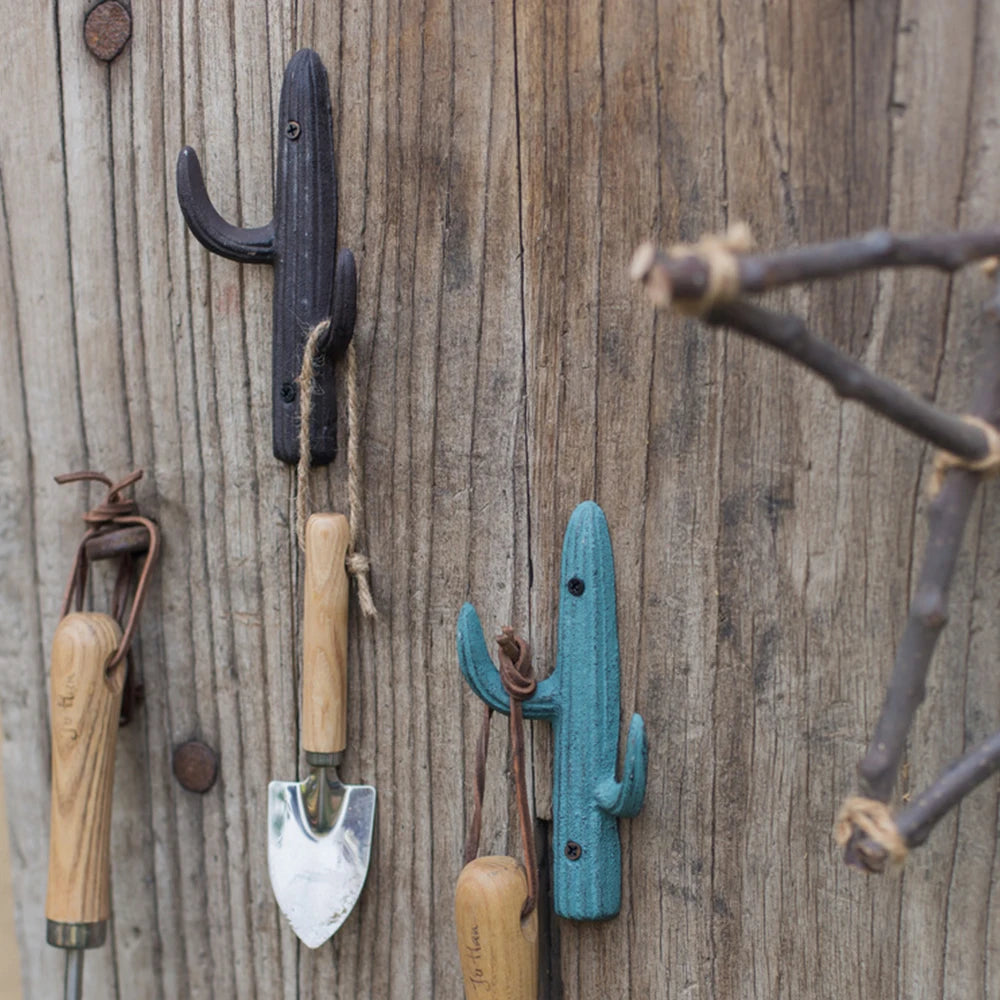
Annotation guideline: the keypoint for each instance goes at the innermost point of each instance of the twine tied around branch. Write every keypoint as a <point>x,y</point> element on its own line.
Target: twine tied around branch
<point>357,563</point>
<point>873,818</point>
<point>989,464</point>
<point>720,255</point>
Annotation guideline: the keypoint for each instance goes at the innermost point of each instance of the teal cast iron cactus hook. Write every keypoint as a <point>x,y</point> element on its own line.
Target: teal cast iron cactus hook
<point>581,698</point>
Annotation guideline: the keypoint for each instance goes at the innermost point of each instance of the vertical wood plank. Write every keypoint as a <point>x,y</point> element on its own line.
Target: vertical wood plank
<point>497,164</point>
<point>44,437</point>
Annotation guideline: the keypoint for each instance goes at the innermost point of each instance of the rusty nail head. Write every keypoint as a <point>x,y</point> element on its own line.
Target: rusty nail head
<point>196,766</point>
<point>107,29</point>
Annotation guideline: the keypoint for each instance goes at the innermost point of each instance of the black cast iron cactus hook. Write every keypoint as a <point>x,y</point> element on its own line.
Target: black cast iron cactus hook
<point>312,282</point>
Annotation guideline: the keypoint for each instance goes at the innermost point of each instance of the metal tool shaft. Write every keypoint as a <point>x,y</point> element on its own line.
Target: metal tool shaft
<point>73,983</point>
<point>322,793</point>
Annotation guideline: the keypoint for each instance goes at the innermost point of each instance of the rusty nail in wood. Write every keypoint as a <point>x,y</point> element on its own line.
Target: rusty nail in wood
<point>196,766</point>
<point>107,29</point>
<point>128,541</point>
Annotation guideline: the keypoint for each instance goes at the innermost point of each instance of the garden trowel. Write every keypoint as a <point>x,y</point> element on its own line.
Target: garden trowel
<point>319,831</point>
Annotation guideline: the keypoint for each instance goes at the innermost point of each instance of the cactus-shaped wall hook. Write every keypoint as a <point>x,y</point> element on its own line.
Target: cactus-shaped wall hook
<point>581,698</point>
<point>312,282</point>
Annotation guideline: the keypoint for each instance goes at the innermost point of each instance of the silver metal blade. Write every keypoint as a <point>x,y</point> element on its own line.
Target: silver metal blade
<point>317,876</point>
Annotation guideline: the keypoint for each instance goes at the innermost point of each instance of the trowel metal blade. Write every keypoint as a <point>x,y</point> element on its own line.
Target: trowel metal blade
<point>318,877</point>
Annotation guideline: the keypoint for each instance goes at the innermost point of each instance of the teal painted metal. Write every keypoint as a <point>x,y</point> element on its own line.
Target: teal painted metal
<point>582,700</point>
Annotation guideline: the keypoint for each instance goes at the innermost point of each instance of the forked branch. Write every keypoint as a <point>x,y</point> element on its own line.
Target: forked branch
<point>712,275</point>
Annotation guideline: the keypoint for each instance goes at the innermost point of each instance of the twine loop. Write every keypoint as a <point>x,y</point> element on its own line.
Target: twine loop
<point>873,818</point>
<point>720,255</point>
<point>989,464</point>
<point>357,564</point>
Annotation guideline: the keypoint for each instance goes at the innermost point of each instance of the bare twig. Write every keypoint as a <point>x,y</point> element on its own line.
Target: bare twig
<point>852,380</point>
<point>915,823</point>
<point>878,769</point>
<point>707,279</point>
<point>947,515</point>
<point>680,276</point>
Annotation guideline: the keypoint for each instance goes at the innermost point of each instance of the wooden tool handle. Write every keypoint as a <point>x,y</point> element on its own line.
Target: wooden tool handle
<point>85,704</point>
<point>498,952</point>
<point>324,635</point>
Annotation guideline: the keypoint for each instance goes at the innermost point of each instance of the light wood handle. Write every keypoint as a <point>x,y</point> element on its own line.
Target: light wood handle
<point>498,952</point>
<point>324,635</point>
<point>85,706</point>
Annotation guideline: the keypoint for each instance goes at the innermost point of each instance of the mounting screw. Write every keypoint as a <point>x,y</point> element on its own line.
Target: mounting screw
<point>196,766</point>
<point>289,392</point>
<point>107,29</point>
<point>576,586</point>
<point>572,850</point>
<point>293,130</point>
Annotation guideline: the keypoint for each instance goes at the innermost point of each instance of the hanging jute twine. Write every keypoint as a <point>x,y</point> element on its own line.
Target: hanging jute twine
<point>518,679</point>
<point>988,465</point>
<point>720,255</point>
<point>873,819</point>
<point>357,563</point>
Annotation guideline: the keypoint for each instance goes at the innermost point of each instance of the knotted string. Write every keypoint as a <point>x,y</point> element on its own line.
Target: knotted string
<point>720,255</point>
<point>357,563</point>
<point>873,818</point>
<point>989,464</point>
<point>518,680</point>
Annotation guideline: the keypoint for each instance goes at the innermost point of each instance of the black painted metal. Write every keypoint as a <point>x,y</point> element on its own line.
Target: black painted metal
<point>312,282</point>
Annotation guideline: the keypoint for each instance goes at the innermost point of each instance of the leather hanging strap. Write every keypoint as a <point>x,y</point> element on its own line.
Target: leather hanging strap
<point>518,679</point>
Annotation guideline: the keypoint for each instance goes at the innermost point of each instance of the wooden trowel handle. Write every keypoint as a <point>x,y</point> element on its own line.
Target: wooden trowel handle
<point>498,951</point>
<point>324,635</point>
<point>85,705</point>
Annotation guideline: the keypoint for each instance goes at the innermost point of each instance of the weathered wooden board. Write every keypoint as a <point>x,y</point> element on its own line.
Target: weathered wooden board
<point>499,162</point>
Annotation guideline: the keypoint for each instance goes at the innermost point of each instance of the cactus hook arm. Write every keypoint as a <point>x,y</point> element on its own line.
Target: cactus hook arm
<point>624,798</point>
<point>249,246</point>
<point>483,677</point>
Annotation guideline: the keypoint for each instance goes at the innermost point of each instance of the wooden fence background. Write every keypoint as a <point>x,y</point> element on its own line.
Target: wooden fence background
<point>499,161</point>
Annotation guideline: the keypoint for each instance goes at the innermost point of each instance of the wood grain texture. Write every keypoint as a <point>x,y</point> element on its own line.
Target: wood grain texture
<point>324,634</point>
<point>85,703</point>
<point>498,163</point>
<point>498,951</point>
